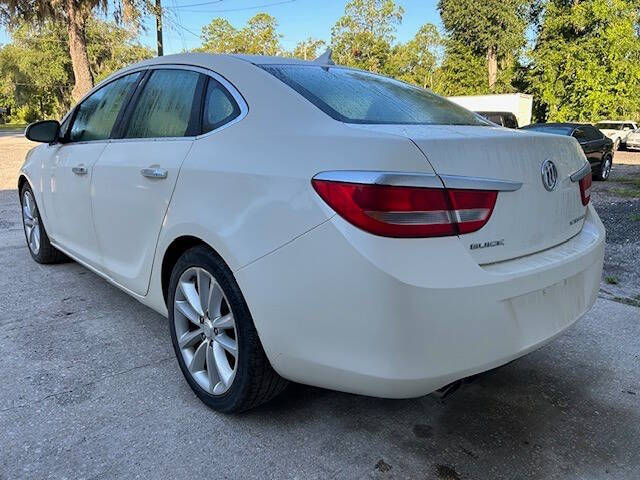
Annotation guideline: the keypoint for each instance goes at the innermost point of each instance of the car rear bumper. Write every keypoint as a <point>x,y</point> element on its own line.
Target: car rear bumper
<point>342,309</point>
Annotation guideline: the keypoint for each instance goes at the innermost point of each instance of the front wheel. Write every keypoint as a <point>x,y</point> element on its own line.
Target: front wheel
<point>38,242</point>
<point>214,337</point>
<point>604,170</point>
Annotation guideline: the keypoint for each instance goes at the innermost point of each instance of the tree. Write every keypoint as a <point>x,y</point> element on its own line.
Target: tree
<point>585,65</point>
<point>417,60</point>
<point>220,37</point>
<point>308,49</point>
<point>74,14</point>
<point>260,36</point>
<point>463,72</point>
<point>36,73</point>
<point>362,37</point>
<point>493,29</point>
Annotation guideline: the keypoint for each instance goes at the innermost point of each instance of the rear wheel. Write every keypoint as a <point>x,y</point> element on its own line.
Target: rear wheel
<point>604,170</point>
<point>214,338</point>
<point>38,242</point>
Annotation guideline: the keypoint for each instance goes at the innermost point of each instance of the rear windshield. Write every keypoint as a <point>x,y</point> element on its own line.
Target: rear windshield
<point>554,129</point>
<point>609,126</point>
<point>354,96</point>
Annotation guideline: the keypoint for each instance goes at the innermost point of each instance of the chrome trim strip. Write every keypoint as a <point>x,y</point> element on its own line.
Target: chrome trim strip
<point>479,183</point>
<point>370,177</point>
<point>411,179</point>
<point>580,174</point>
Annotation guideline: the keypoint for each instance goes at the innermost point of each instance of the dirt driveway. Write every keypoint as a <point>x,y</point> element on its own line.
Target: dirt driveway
<point>91,389</point>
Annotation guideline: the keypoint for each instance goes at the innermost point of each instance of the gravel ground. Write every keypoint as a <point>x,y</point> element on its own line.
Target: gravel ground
<point>618,204</point>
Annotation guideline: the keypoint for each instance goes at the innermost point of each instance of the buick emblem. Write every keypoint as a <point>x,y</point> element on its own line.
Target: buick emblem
<point>549,175</point>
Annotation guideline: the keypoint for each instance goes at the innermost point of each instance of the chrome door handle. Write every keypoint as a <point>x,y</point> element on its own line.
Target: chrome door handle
<point>154,172</point>
<point>79,169</point>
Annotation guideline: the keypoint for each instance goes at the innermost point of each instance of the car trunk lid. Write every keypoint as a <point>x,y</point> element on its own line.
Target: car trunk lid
<point>524,221</point>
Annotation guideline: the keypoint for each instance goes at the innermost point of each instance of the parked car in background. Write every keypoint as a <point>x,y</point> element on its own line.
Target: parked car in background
<point>596,146</point>
<point>617,131</point>
<point>633,140</point>
<point>504,119</point>
<point>519,104</point>
<point>366,235</point>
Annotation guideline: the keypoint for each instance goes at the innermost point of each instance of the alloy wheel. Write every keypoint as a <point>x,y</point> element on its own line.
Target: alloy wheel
<point>31,221</point>
<point>205,331</point>
<point>606,168</point>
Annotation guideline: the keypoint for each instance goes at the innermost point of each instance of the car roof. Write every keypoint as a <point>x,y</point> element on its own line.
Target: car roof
<point>197,58</point>
<point>557,124</point>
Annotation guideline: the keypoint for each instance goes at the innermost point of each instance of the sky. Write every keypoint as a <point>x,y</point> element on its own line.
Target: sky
<point>297,19</point>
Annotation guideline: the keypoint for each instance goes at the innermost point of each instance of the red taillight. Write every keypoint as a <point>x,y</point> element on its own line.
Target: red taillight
<point>394,211</point>
<point>585,189</point>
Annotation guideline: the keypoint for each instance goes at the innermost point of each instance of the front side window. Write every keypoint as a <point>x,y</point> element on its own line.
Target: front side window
<point>165,105</point>
<point>354,96</point>
<point>219,107</point>
<point>97,114</point>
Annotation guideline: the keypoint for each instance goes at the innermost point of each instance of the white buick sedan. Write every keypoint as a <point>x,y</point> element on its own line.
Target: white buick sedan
<point>303,221</point>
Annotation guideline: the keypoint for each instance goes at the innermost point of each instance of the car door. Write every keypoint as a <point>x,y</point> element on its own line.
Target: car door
<point>134,178</point>
<point>69,184</point>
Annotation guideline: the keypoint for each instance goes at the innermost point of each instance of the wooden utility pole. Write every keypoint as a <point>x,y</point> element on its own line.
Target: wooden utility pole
<point>159,26</point>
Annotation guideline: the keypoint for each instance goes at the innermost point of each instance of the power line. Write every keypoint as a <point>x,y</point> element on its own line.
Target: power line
<point>228,10</point>
<point>174,23</point>
<point>198,4</point>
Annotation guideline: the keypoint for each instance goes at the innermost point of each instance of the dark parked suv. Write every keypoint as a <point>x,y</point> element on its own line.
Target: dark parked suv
<point>596,146</point>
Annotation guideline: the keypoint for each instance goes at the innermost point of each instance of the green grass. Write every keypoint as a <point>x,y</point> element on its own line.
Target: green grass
<point>634,182</point>
<point>635,218</point>
<point>612,280</point>
<point>627,301</point>
<point>12,126</point>
<point>633,193</point>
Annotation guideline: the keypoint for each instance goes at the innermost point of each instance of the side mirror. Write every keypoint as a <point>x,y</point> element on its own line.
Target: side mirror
<point>45,131</point>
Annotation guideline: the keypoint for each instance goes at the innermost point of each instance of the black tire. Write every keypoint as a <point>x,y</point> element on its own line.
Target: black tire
<point>255,380</point>
<point>45,253</point>
<point>604,170</point>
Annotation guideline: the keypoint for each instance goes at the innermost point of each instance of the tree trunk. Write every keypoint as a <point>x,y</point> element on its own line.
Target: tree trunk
<point>492,67</point>
<point>78,51</point>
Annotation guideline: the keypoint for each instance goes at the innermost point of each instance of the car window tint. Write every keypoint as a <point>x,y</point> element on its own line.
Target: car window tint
<point>495,118</point>
<point>219,107</point>
<point>591,133</point>
<point>628,125</point>
<point>164,106</point>
<point>97,113</point>
<point>354,96</point>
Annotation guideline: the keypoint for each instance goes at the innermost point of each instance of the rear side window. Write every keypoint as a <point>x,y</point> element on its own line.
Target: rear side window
<point>354,96</point>
<point>591,133</point>
<point>164,106</point>
<point>219,107</point>
<point>97,113</point>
